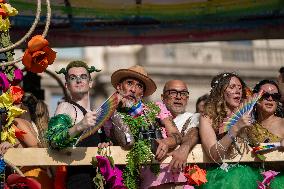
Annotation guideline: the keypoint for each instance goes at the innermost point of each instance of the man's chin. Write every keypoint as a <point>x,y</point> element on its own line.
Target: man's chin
<point>178,111</point>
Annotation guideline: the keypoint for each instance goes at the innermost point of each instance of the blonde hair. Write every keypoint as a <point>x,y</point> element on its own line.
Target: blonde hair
<point>41,121</point>
<point>39,115</point>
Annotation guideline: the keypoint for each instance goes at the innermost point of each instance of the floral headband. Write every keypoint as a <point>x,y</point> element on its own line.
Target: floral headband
<point>90,70</point>
<point>215,83</point>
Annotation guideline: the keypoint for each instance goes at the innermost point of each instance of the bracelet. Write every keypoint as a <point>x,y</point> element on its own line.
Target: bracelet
<point>221,146</point>
<point>234,139</point>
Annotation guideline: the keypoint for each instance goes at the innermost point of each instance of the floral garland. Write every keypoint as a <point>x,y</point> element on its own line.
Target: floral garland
<point>140,154</point>
<point>6,10</point>
<point>9,75</point>
<point>7,102</point>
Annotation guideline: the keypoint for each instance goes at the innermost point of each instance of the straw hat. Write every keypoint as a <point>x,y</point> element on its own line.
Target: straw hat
<point>137,72</point>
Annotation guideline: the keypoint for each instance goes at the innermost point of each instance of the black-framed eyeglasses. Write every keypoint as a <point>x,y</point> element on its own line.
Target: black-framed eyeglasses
<point>73,78</point>
<point>174,93</point>
<point>274,96</point>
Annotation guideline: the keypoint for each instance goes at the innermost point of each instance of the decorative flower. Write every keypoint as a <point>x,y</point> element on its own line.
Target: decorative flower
<point>10,11</point>
<point>4,83</point>
<point>17,93</point>
<point>19,134</point>
<point>112,175</point>
<point>268,177</point>
<point>9,135</point>
<point>19,182</point>
<point>195,175</point>
<point>18,76</point>
<point>6,102</point>
<point>38,55</point>
<point>3,13</point>
<point>6,10</point>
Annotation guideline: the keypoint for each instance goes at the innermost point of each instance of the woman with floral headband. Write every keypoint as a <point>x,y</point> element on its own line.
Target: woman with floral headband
<point>227,94</point>
<point>268,125</point>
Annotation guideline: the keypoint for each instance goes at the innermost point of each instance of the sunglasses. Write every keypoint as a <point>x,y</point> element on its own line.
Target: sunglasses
<point>274,96</point>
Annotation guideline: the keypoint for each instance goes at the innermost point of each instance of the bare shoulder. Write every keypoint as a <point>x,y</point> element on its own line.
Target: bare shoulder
<point>205,120</point>
<point>65,108</point>
<point>281,125</point>
<point>23,124</point>
<point>22,121</point>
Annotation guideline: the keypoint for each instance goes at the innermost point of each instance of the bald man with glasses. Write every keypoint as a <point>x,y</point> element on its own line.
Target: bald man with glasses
<point>175,96</point>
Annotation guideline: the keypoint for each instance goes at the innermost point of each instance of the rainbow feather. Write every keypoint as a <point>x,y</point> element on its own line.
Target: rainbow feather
<point>245,107</point>
<point>104,112</point>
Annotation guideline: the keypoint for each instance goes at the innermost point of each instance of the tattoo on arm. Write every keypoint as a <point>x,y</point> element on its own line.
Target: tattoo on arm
<point>177,138</point>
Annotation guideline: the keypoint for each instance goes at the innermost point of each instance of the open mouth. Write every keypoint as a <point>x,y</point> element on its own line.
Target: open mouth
<point>131,97</point>
<point>269,105</point>
<point>178,104</point>
<point>237,99</point>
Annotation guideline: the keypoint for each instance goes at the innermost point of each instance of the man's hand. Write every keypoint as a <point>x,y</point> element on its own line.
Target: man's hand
<point>179,158</point>
<point>105,144</point>
<point>88,121</point>
<point>4,146</point>
<point>162,149</point>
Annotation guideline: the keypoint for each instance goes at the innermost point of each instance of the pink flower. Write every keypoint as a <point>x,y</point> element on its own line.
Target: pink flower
<point>4,83</point>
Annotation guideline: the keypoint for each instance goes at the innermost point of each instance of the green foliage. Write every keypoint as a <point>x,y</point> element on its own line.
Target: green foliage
<point>99,180</point>
<point>5,42</point>
<point>140,154</point>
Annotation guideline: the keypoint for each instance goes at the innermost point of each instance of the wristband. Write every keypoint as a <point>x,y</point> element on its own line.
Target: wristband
<point>234,139</point>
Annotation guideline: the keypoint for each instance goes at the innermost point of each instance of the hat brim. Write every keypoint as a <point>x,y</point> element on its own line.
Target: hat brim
<point>118,75</point>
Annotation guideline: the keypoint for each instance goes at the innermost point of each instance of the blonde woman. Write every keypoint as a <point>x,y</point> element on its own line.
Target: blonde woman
<point>227,93</point>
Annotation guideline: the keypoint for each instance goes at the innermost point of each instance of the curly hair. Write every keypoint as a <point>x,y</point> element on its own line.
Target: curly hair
<point>215,106</point>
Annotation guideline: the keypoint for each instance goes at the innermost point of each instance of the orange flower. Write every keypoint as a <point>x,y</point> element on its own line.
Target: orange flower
<point>17,93</point>
<point>195,175</point>
<point>38,55</point>
<point>3,13</point>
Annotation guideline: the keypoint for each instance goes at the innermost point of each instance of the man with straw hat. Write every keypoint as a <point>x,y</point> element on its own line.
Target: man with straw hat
<point>138,125</point>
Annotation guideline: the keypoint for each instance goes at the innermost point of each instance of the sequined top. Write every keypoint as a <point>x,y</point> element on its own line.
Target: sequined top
<point>259,134</point>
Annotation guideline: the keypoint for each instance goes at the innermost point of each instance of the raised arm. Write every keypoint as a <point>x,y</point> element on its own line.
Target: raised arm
<point>217,149</point>
<point>63,129</point>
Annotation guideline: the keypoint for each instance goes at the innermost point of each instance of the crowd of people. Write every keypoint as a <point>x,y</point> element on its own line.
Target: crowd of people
<point>155,130</point>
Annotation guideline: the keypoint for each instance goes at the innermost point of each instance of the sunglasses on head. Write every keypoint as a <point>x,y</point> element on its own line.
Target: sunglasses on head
<point>274,96</point>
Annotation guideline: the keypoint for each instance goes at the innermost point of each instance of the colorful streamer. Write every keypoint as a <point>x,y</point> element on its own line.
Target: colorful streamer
<point>265,146</point>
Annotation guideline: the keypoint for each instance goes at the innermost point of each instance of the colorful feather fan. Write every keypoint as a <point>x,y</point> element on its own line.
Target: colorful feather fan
<point>244,108</point>
<point>104,112</point>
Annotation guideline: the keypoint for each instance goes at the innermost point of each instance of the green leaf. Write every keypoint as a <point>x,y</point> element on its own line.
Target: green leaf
<point>110,158</point>
<point>99,180</point>
<point>94,162</point>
